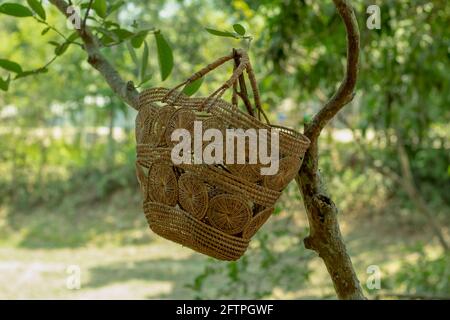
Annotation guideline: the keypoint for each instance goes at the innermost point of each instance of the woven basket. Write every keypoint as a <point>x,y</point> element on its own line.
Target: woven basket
<point>213,209</point>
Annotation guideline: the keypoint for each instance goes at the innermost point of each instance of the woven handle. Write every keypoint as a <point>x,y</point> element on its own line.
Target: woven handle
<point>199,74</point>
<point>244,64</point>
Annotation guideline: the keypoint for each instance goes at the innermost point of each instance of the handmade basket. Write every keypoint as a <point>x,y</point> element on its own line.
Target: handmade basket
<point>213,209</point>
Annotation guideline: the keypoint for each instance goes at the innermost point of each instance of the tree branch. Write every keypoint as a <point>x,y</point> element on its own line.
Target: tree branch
<point>325,236</point>
<point>125,90</point>
<point>87,14</point>
<point>345,92</point>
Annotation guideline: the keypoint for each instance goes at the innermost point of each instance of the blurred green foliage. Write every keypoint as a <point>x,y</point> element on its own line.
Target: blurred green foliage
<point>63,135</point>
<point>426,275</point>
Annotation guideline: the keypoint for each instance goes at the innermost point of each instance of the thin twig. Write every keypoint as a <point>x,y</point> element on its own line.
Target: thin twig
<point>125,90</point>
<point>38,70</point>
<point>57,31</point>
<point>345,92</point>
<point>87,14</point>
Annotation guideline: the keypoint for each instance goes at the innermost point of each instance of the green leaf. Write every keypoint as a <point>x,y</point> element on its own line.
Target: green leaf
<point>38,8</point>
<point>146,78</point>
<point>307,118</point>
<point>59,50</point>
<point>10,66</point>
<point>111,24</point>
<point>106,40</point>
<point>115,6</point>
<point>45,31</point>
<point>74,36</point>
<point>4,84</point>
<point>15,10</point>
<point>239,29</point>
<point>165,56</point>
<point>132,54</point>
<point>31,72</point>
<point>54,43</point>
<point>108,36</point>
<point>100,7</point>
<point>144,62</point>
<point>122,34</point>
<point>138,39</point>
<point>221,33</point>
<point>193,87</point>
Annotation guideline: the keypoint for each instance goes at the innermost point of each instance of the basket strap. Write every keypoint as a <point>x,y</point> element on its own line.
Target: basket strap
<point>244,61</point>
<point>237,78</point>
<point>234,98</point>
<point>238,72</point>
<point>199,74</point>
<point>256,95</point>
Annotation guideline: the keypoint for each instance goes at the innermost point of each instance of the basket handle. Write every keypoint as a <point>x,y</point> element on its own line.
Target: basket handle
<point>244,62</point>
<point>238,71</point>
<point>236,78</point>
<point>199,74</point>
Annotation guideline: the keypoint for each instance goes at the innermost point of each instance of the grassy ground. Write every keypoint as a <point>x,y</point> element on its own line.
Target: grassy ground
<point>119,257</point>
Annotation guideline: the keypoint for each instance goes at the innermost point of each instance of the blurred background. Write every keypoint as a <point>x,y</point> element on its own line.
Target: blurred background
<point>70,207</point>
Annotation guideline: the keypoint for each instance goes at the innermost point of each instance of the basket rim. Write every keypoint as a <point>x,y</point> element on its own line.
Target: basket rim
<point>156,94</point>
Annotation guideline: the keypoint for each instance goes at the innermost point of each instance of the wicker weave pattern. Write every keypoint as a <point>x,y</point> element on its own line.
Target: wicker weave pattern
<point>291,142</point>
<point>179,226</point>
<point>213,209</point>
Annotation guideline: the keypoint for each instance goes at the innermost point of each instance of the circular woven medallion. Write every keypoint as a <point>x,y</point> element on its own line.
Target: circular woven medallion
<point>193,195</point>
<point>287,169</point>
<point>162,184</point>
<point>229,213</point>
<point>156,134</point>
<point>182,119</point>
<point>256,223</point>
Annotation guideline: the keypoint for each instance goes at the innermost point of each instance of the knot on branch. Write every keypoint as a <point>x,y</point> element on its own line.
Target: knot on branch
<point>130,86</point>
<point>309,243</point>
<point>93,59</point>
<point>325,207</point>
<point>322,201</point>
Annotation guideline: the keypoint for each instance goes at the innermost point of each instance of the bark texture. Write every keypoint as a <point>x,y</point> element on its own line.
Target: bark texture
<point>325,236</point>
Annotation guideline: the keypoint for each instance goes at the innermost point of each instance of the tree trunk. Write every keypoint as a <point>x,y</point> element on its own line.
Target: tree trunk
<point>325,236</point>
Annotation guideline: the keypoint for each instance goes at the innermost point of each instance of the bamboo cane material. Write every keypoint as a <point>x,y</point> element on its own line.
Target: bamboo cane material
<point>213,209</point>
